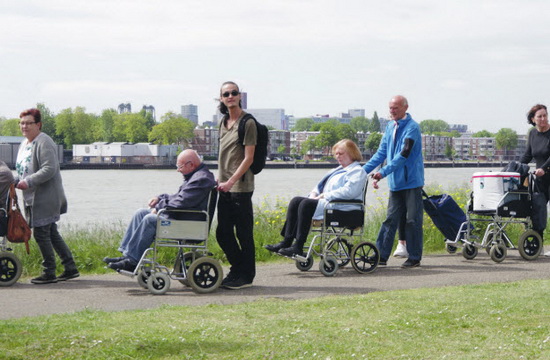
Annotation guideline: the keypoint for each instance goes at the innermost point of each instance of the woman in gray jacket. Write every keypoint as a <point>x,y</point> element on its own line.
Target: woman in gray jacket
<point>39,177</point>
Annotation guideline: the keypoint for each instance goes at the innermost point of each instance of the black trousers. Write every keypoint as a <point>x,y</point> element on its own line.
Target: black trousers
<point>236,217</point>
<point>298,219</point>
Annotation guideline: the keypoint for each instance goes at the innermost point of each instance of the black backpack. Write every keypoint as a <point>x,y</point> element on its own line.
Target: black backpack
<point>260,153</point>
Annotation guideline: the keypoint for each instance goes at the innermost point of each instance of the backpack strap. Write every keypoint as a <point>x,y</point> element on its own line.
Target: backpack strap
<point>241,129</point>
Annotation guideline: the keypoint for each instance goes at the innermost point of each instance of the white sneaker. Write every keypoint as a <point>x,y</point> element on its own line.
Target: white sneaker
<point>401,251</point>
<point>547,253</point>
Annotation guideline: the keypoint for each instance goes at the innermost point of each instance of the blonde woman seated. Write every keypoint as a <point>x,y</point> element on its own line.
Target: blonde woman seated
<point>346,182</point>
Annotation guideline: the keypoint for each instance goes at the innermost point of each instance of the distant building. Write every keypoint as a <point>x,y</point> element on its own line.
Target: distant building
<point>458,127</point>
<point>125,153</point>
<point>206,141</point>
<point>356,113</point>
<point>124,108</point>
<point>270,117</point>
<point>244,100</point>
<point>150,109</point>
<point>190,112</point>
<point>277,139</point>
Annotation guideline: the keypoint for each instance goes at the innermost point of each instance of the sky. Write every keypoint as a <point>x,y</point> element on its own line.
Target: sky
<point>482,63</point>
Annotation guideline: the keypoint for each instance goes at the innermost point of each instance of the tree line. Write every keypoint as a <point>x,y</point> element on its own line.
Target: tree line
<point>76,126</point>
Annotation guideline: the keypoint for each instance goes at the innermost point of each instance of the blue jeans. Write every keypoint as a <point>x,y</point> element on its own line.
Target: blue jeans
<point>140,234</point>
<point>401,203</point>
<point>50,242</point>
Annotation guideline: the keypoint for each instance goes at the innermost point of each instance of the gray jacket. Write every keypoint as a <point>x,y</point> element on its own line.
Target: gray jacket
<point>49,200</point>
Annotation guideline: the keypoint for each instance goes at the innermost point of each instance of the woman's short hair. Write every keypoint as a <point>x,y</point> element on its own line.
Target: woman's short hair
<point>223,109</point>
<point>533,111</point>
<point>35,113</point>
<point>350,147</point>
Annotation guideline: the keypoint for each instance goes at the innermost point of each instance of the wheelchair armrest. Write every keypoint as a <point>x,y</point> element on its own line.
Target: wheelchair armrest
<point>345,201</point>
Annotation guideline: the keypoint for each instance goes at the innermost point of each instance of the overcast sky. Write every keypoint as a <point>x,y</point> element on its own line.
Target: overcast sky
<point>475,62</point>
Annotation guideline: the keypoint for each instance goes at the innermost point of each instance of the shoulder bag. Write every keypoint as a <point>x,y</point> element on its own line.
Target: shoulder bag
<point>18,229</point>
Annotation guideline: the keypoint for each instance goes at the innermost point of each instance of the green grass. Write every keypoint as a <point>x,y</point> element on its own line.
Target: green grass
<point>495,321</point>
<point>90,245</point>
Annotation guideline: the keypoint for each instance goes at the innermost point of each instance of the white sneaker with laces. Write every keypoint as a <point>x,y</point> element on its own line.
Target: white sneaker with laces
<point>401,251</point>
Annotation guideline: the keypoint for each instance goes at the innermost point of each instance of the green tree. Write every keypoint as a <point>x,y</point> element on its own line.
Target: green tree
<point>450,153</point>
<point>131,127</point>
<point>281,149</point>
<point>482,133</point>
<point>107,123</point>
<point>328,136</point>
<point>10,127</point>
<point>430,127</point>
<point>505,139</point>
<point>360,123</point>
<point>303,124</point>
<point>346,131</point>
<point>64,127</point>
<point>374,125</point>
<point>48,123</point>
<point>173,129</point>
<point>373,142</point>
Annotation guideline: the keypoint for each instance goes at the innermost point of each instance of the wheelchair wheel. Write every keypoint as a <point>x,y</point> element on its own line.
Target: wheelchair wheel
<point>143,277</point>
<point>304,265</point>
<point>341,249</point>
<point>184,260</point>
<point>530,245</point>
<point>205,275</point>
<point>158,283</point>
<point>10,268</point>
<point>498,252</point>
<point>365,257</point>
<point>469,251</point>
<point>328,265</point>
<point>451,249</point>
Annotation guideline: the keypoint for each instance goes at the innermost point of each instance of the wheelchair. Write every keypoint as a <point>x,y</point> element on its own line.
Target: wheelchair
<point>337,240</point>
<point>10,265</point>
<point>514,207</point>
<point>187,231</point>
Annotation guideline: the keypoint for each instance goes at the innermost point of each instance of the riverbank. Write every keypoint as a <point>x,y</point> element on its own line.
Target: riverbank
<point>276,165</point>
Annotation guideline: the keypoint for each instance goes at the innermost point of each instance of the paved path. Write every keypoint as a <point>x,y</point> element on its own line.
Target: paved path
<point>114,292</point>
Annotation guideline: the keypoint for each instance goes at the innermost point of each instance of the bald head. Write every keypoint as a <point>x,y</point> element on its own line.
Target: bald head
<point>188,160</point>
<point>398,107</point>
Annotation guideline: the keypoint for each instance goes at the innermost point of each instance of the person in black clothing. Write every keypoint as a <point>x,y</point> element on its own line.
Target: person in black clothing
<point>538,149</point>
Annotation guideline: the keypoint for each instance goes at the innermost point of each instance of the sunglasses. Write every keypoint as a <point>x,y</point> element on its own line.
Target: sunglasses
<point>232,93</point>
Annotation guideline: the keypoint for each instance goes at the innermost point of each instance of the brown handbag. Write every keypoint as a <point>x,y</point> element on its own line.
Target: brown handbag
<point>18,229</point>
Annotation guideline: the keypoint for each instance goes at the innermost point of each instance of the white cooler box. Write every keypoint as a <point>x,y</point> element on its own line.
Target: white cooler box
<point>489,187</point>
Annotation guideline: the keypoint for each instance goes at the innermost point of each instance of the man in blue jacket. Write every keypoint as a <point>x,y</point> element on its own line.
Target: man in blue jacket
<point>401,147</point>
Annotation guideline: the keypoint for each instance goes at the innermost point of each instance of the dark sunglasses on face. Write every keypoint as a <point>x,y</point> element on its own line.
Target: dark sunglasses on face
<point>232,93</point>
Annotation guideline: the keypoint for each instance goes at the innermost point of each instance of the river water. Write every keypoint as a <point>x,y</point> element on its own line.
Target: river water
<point>112,196</point>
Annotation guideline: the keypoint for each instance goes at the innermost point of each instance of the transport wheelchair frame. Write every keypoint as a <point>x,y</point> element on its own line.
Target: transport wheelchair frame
<point>334,240</point>
<point>193,265</point>
<point>10,265</point>
<point>514,207</point>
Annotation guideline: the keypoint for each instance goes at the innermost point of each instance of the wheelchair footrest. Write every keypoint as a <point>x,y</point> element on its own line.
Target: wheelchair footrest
<point>299,258</point>
<point>127,273</point>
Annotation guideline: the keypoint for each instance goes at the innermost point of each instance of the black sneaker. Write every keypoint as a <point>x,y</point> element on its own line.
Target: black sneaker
<point>125,264</point>
<point>108,260</point>
<point>44,279</point>
<point>290,251</point>
<point>231,276</point>
<point>237,284</point>
<point>66,275</point>
<point>410,264</point>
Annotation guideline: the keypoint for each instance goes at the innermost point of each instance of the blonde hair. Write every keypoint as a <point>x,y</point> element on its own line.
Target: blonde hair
<point>350,147</point>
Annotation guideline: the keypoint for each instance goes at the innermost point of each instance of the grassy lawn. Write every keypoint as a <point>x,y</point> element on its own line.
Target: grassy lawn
<point>495,321</point>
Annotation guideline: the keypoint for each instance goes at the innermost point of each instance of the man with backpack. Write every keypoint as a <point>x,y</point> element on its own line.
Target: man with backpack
<point>235,186</point>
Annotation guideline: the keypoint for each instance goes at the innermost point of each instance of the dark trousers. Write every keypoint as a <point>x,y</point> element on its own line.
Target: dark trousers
<point>236,216</point>
<point>50,242</point>
<point>298,220</point>
<point>407,201</point>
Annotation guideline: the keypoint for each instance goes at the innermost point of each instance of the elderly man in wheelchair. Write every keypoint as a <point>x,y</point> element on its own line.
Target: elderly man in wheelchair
<point>193,194</point>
